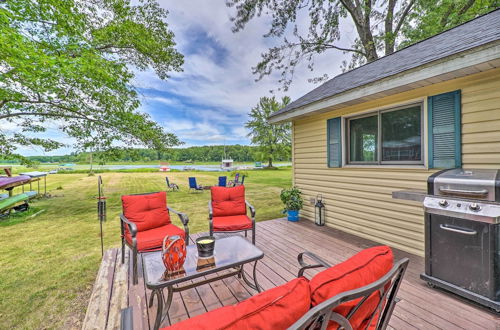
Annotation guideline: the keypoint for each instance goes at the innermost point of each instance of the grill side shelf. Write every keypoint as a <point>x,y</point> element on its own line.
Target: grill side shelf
<point>497,187</point>
<point>410,195</point>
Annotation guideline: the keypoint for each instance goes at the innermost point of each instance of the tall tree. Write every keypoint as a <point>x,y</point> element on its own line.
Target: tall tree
<point>381,26</point>
<point>70,64</point>
<point>273,139</point>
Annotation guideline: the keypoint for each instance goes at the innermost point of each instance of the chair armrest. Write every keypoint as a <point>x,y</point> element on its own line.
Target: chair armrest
<point>184,219</point>
<point>387,287</point>
<point>210,210</point>
<point>252,209</point>
<point>304,266</point>
<point>132,227</point>
<point>126,319</point>
<point>183,216</point>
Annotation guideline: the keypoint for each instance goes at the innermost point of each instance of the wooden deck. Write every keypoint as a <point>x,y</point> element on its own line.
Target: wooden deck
<point>420,307</point>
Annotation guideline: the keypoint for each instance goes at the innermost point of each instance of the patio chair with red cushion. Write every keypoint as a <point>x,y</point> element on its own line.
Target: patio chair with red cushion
<point>228,211</point>
<point>145,222</point>
<point>359,293</point>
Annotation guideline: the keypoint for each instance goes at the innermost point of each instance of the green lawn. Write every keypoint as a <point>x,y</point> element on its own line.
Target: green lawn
<point>48,262</point>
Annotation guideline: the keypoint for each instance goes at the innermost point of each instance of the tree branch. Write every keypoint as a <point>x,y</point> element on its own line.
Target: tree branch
<point>329,46</point>
<point>406,11</point>
<point>444,19</point>
<point>466,7</point>
<point>75,115</point>
<point>44,114</point>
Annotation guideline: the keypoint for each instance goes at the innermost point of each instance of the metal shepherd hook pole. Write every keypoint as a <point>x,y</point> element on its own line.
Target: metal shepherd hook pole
<point>101,208</point>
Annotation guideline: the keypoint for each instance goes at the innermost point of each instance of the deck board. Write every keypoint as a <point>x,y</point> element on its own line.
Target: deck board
<point>420,307</point>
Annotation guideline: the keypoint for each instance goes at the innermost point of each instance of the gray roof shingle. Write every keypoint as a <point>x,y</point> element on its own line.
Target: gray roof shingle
<point>475,33</point>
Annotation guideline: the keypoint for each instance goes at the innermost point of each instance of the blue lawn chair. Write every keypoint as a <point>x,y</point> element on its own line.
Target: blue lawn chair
<point>222,181</point>
<point>193,185</point>
<point>171,186</point>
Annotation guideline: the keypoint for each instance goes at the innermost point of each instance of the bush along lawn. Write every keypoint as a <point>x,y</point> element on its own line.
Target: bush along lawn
<point>50,255</point>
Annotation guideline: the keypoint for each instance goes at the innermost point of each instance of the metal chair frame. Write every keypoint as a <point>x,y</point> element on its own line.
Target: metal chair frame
<point>197,187</point>
<point>171,186</point>
<point>132,227</point>
<point>319,316</point>
<point>211,223</point>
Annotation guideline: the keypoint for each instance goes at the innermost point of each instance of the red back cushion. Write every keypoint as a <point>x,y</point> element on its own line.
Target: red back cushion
<point>146,211</point>
<point>277,308</point>
<point>362,269</point>
<point>228,201</point>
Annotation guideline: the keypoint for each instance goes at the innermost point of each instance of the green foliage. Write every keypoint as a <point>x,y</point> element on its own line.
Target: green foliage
<point>292,199</point>
<point>382,26</point>
<point>238,153</point>
<point>430,17</point>
<point>70,64</point>
<point>274,141</point>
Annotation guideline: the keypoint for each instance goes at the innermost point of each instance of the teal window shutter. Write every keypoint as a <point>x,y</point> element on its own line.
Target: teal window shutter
<point>445,143</point>
<point>334,142</point>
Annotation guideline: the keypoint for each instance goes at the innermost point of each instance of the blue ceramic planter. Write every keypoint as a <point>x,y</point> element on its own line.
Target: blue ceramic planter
<point>293,216</point>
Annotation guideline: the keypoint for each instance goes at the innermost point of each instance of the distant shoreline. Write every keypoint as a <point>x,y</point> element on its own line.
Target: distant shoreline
<point>140,167</point>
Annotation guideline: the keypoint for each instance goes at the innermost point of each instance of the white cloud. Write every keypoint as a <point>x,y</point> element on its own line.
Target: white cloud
<point>161,99</point>
<point>229,84</point>
<point>240,132</point>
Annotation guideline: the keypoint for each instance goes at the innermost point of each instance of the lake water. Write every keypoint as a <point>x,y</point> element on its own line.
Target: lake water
<point>208,168</point>
<point>187,167</point>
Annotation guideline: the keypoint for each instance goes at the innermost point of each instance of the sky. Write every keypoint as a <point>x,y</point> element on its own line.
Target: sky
<point>208,103</point>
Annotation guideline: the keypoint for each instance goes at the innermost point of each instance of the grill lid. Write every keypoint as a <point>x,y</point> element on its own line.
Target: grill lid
<point>481,184</point>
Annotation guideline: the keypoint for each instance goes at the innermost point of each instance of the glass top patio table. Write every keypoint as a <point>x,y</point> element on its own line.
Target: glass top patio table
<point>229,252</point>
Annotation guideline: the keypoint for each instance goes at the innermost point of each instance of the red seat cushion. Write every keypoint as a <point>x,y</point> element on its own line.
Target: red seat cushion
<point>228,201</point>
<point>277,308</point>
<point>362,269</point>
<point>147,211</point>
<point>153,238</point>
<point>233,222</point>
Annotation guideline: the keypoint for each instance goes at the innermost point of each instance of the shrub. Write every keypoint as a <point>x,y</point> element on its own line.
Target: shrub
<point>292,199</point>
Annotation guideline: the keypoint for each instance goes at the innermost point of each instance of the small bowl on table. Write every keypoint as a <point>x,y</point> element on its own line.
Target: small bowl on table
<point>205,246</point>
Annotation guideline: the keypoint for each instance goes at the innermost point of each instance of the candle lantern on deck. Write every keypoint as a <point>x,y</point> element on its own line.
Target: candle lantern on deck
<point>101,208</point>
<point>319,211</point>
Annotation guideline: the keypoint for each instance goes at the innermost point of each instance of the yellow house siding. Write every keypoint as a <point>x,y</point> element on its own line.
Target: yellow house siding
<point>481,124</point>
<point>359,200</point>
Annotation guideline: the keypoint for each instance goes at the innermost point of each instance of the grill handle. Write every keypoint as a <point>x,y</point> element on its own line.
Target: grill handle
<point>456,230</point>
<point>482,192</point>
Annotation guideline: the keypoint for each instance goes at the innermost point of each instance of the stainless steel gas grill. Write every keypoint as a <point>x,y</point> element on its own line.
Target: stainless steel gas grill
<point>462,234</point>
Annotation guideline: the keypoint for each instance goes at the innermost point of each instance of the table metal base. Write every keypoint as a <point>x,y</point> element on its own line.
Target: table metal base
<point>163,307</point>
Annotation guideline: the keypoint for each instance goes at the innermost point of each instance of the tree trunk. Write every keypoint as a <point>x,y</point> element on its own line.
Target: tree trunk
<point>389,22</point>
<point>270,164</point>
<point>361,17</point>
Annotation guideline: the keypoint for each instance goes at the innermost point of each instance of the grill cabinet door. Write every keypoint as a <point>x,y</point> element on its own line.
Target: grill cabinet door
<point>461,252</point>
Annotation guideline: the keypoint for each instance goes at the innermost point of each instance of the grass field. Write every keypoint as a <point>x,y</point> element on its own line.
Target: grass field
<point>49,260</point>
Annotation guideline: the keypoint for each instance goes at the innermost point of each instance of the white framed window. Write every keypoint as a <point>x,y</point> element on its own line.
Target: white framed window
<point>391,136</point>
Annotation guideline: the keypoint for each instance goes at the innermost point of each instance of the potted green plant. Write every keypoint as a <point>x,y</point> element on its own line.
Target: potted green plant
<point>292,199</point>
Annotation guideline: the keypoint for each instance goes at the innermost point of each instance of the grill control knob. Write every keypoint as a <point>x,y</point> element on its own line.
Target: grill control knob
<point>474,207</point>
<point>443,203</point>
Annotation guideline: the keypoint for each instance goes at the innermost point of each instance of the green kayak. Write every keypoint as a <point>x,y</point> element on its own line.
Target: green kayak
<point>11,201</point>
